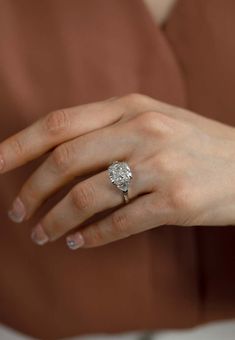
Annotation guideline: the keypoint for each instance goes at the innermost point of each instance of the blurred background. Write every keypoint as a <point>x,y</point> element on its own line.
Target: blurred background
<point>213,331</point>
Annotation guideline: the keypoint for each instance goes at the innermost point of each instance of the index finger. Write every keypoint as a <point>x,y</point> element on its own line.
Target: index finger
<point>55,128</point>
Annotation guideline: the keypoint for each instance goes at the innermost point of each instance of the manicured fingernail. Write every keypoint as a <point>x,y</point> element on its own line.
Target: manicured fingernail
<point>75,241</point>
<point>17,212</point>
<point>38,235</point>
<point>1,163</point>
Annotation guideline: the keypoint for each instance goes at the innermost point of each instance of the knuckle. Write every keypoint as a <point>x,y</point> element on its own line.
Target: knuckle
<point>83,197</point>
<point>164,161</point>
<point>119,224</point>
<point>152,122</point>
<point>94,236</point>
<point>17,146</point>
<point>29,193</point>
<point>171,160</point>
<point>181,196</point>
<point>135,98</point>
<point>61,157</point>
<point>57,122</point>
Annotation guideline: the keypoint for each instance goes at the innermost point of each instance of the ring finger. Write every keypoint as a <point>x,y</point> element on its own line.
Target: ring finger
<point>85,199</point>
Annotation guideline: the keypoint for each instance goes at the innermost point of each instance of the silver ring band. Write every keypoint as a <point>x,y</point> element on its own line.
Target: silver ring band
<point>125,196</point>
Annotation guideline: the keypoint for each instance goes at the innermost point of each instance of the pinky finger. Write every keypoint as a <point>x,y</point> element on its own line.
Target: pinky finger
<point>143,213</point>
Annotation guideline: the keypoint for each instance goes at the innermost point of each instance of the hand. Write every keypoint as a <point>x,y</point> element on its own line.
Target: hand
<point>182,164</point>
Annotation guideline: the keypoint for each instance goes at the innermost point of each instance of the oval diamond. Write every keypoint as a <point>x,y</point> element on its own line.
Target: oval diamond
<point>120,174</point>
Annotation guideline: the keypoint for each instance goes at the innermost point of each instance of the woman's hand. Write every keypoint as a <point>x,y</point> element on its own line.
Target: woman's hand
<point>183,168</point>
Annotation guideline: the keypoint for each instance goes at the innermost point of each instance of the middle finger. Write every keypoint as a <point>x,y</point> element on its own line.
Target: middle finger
<point>80,156</point>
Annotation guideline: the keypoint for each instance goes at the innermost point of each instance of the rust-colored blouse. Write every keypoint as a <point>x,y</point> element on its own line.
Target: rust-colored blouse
<point>59,53</point>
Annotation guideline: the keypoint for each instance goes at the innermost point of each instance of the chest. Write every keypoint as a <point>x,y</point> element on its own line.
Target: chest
<point>159,9</point>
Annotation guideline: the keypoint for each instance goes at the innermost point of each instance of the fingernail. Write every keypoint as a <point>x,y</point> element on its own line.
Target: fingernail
<point>1,163</point>
<point>38,235</point>
<point>17,212</point>
<point>75,241</point>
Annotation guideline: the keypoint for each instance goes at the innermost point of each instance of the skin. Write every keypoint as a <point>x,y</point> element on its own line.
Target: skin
<point>182,164</point>
<point>160,9</point>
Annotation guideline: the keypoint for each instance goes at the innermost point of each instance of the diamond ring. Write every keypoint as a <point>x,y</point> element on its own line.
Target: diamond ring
<point>120,175</point>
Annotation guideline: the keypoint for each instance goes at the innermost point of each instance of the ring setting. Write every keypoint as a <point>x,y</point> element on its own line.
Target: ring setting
<point>120,175</point>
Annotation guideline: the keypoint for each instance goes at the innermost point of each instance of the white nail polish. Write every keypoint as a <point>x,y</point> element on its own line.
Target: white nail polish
<point>39,236</point>
<point>17,212</point>
<point>75,241</point>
